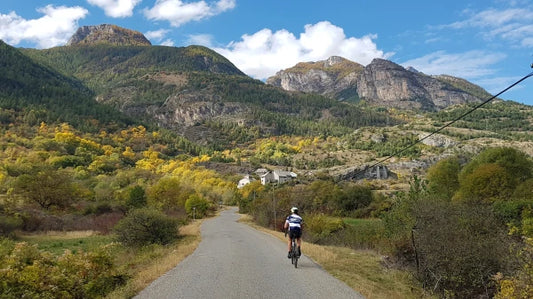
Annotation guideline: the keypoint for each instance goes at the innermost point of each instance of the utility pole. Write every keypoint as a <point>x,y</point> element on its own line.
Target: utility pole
<point>274,205</point>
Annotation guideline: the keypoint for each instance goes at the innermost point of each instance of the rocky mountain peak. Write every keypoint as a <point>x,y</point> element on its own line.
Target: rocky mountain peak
<point>382,83</point>
<point>333,77</point>
<point>108,34</point>
<point>333,60</point>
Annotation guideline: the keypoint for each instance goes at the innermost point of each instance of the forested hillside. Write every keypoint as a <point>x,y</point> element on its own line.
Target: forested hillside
<point>44,94</point>
<point>200,94</point>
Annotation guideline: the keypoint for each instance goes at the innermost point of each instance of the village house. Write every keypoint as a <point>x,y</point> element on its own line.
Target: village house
<point>277,176</point>
<point>267,177</point>
<point>245,181</point>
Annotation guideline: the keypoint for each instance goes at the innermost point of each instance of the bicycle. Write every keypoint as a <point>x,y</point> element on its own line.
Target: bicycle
<point>294,252</point>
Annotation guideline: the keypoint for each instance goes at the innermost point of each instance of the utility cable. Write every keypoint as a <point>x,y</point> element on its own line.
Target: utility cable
<point>443,127</point>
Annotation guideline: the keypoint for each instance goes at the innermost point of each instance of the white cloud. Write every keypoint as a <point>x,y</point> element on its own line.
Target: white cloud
<point>156,35</point>
<point>116,8</point>
<point>168,43</point>
<point>469,65</point>
<point>178,13</point>
<point>263,53</point>
<point>497,84</point>
<point>513,24</point>
<point>201,39</point>
<point>53,29</point>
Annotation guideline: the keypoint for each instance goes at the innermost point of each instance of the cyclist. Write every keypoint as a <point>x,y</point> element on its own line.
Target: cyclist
<point>294,226</point>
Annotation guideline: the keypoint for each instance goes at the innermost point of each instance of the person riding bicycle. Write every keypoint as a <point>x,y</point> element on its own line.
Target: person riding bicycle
<point>293,225</point>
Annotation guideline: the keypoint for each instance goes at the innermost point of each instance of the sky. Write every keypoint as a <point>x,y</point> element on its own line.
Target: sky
<point>487,42</point>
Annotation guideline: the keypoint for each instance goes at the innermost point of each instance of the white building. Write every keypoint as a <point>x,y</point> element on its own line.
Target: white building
<point>277,176</point>
<point>245,181</point>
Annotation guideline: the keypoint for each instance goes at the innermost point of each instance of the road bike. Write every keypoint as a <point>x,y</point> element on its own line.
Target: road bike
<point>295,255</point>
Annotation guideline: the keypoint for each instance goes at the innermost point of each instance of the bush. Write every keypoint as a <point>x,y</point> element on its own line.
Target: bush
<point>520,284</point>
<point>476,248</point>
<point>319,227</point>
<point>8,224</point>
<point>136,197</point>
<point>363,234</point>
<point>146,226</point>
<point>26,272</point>
<point>196,206</point>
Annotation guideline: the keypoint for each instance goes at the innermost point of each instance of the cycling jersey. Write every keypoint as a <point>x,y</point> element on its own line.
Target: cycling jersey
<point>295,222</point>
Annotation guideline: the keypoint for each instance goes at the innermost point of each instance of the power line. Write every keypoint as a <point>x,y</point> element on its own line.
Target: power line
<point>445,126</point>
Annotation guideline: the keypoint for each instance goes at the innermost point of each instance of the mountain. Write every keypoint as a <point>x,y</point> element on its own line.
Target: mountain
<point>335,77</point>
<point>381,83</point>
<point>108,34</point>
<point>47,95</point>
<point>197,92</point>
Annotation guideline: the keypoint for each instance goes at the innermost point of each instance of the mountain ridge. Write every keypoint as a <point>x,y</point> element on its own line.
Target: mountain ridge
<point>108,34</point>
<point>381,83</point>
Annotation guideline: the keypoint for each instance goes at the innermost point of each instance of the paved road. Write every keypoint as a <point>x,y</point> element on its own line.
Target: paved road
<point>234,260</point>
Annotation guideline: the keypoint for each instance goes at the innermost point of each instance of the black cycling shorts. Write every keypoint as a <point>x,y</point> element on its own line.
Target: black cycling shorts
<point>295,232</point>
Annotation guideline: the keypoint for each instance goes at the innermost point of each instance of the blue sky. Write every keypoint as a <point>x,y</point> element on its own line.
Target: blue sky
<point>488,42</point>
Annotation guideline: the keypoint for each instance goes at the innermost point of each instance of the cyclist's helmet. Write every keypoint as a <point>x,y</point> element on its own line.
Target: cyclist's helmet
<point>294,210</point>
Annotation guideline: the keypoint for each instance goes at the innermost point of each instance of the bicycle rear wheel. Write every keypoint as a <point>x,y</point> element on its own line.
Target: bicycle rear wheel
<point>294,254</point>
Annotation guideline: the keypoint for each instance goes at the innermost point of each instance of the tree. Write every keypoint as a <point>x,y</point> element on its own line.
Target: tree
<point>487,183</point>
<point>168,193</point>
<point>196,206</point>
<point>516,163</point>
<point>353,197</point>
<point>136,197</point>
<point>443,177</point>
<point>47,187</point>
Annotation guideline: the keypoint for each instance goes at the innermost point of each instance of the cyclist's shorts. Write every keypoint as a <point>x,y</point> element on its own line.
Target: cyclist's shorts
<point>295,232</point>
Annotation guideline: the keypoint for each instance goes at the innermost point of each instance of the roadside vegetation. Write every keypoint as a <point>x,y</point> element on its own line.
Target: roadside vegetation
<point>464,231</point>
<point>96,187</point>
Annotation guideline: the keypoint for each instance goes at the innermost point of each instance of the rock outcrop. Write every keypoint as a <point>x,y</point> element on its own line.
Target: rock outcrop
<point>108,34</point>
<point>335,77</point>
<point>382,82</point>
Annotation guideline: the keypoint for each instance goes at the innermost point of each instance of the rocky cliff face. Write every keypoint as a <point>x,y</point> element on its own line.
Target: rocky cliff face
<point>108,34</point>
<point>335,77</point>
<point>382,83</point>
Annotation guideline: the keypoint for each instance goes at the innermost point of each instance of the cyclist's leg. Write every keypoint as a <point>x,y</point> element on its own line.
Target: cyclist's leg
<point>289,244</point>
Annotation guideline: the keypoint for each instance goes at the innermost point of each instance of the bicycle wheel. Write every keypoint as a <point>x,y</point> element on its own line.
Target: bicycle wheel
<point>294,254</point>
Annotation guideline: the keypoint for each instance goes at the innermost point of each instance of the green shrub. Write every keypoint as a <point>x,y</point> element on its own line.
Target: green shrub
<point>26,272</point>
<point>146,226</point>
<point>319,227</point>
<point>361,234</point>
<point>136,197</point>
<point>196,206</point>
<point>8,224</point>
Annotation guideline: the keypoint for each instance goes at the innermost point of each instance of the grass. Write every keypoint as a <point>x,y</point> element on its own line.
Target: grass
<point>57,242</point>
<point>362,270</point>
<point>358,221</point>
<point>151,262</point>
<point>142,265</point>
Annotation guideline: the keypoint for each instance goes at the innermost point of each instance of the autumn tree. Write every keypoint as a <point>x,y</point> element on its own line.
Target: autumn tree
<point>443,177</point>
<point>47,187</point>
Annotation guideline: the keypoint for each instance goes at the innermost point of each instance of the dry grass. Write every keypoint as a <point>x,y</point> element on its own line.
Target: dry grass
<point>59,235</point>
<point>361,270</point>
<point>152,263</point>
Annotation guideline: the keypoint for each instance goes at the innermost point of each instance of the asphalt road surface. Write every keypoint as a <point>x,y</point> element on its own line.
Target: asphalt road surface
<point>234,260</point>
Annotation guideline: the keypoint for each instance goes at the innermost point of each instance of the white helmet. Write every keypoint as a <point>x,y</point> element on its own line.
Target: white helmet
<point>294,210</point>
